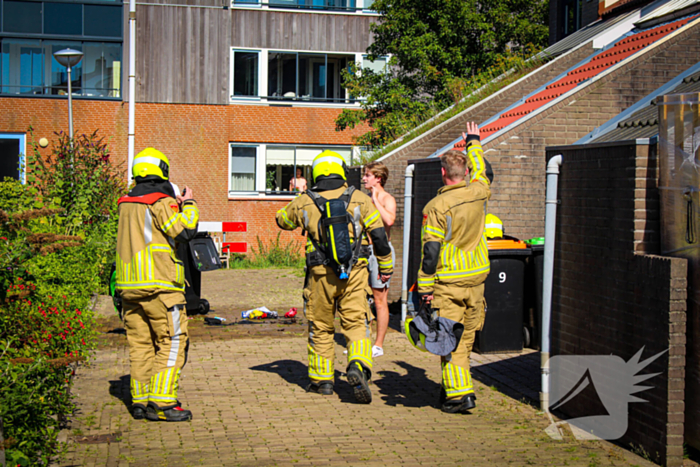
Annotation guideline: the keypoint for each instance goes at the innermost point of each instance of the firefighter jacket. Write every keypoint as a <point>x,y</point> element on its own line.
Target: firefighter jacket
<point>149,226</point>
<point>303,212</point>
<point>454,244</point>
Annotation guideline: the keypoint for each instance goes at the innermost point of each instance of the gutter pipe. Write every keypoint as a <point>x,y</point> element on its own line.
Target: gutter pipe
<point>550,224</point>
<point>132,85</point>
<point>407,201</point>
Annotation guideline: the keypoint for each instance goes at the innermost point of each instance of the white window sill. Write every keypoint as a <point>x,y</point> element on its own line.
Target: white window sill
<point>315,11</point>
<point>289,103</point>
<point>249,196</point>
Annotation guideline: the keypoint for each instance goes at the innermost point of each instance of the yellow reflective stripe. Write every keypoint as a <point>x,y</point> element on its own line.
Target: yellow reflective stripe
<point>150,285</point>
<point>386,263</point>
<point>180,217</point>
<point>319,367</point>
<point>171,221</point>
<point>369,220</point>
<point>286,220</point>
<point>475,155</point>
<point>456,380</point>
<point>191,213</point>
<point>426,280</point>
<point>464,273</point>
<point>361,350</point>
<point>435,231</point>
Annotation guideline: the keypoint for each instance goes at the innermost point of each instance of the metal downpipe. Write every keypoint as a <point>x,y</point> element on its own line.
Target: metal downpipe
<point>407,201</point>
<point>550,224</point>
<point>132,86</point>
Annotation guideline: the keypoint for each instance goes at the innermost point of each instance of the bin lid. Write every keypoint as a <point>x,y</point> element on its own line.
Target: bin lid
<point>535,241</point>
<point>506,244</point>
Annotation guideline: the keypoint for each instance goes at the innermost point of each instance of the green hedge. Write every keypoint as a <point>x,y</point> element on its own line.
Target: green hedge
<point>57,242</point>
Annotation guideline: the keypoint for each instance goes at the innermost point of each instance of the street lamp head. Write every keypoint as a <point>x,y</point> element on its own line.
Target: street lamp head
<point>68,57</point>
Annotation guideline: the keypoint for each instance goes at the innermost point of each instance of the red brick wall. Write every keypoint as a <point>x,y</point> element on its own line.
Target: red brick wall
<point>194,137</point>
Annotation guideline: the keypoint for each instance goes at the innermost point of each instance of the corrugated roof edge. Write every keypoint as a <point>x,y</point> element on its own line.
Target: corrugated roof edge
<point>611,124</point>
<point>673,15</point>
<point>588,82</point>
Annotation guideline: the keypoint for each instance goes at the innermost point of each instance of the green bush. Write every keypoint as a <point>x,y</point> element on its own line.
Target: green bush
<point>57,241</point>
<point>272,255</point>
<point>35,397</point>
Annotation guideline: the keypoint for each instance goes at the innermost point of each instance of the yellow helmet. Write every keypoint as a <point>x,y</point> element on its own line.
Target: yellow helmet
<point>328,163</point>
<point>415,337</point>
<point>493,227</point>
<point>151,162</point>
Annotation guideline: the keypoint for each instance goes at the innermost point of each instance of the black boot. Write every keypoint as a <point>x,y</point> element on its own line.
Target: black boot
<point>138,411</point>
<point>358,378</point>
<point>462,405</point>
<point>171,414</point>
<point>324,388</point>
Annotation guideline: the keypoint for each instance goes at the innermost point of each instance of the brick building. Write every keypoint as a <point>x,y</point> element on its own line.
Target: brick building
<point>237,94</point>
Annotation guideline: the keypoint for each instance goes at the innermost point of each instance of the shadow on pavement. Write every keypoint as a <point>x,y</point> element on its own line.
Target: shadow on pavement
<point>517,376</point>
<point>292,371</point>
<point>413,389</point>
<point>121,389</point>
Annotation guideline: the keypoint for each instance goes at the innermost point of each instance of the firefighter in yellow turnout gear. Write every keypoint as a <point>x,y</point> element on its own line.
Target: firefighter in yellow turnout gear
<point>335,284</point>
<point>151,281</point>
<point>456,262</point>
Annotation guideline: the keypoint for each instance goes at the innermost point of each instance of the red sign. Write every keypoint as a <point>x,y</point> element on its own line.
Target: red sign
<point>235,247</point>
<point>234,226</point>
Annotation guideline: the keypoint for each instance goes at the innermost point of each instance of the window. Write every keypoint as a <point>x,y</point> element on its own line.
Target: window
<point>243,162</point>
<point>12,148</point>
<point>338,5</point>
<point>379,65</point>
<point>289,76</point>
<point>306,77</point>
<point>22,17</point>
<point>27,66</point>
<point>572,16</point>
<point>274,172</point>
<point>103,20</point>
<point>245,73</point>
<point>62,18</point>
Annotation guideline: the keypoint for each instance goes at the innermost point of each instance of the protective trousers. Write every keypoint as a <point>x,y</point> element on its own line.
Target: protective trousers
<point>464,305</point>
<point>324,294</point>
<point>157,337</point>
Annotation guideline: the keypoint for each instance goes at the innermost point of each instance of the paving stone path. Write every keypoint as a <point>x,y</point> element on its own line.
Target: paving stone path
<point>250,409</point>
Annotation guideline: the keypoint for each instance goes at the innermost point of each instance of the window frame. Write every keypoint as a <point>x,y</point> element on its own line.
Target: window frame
<point>22,137</point>
<point>265,4</point>
<point>233,97</point>
<point>263,76</point>
<point>261,191</point>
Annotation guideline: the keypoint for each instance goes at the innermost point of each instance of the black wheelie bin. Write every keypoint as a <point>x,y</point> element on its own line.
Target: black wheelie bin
<point>504,287</point>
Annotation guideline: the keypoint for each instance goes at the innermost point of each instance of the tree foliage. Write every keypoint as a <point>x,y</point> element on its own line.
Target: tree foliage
<point>434,46</point>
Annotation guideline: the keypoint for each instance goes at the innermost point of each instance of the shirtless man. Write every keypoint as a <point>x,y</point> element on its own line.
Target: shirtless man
<point>374,179</point>
<point>298,183</point>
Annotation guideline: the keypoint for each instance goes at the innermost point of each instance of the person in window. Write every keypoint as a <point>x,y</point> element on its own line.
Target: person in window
<point>298,183</point>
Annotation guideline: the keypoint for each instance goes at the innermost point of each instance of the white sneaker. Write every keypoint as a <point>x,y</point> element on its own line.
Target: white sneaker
<point>377,351</point>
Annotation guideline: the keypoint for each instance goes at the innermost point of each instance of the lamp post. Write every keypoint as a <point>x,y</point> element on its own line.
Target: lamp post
<point>69,58</point>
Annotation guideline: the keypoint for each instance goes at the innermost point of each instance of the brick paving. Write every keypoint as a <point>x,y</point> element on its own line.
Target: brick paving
<point>250,409</point>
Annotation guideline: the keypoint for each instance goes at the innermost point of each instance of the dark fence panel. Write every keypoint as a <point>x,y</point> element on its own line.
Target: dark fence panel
<point>426,183</point>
